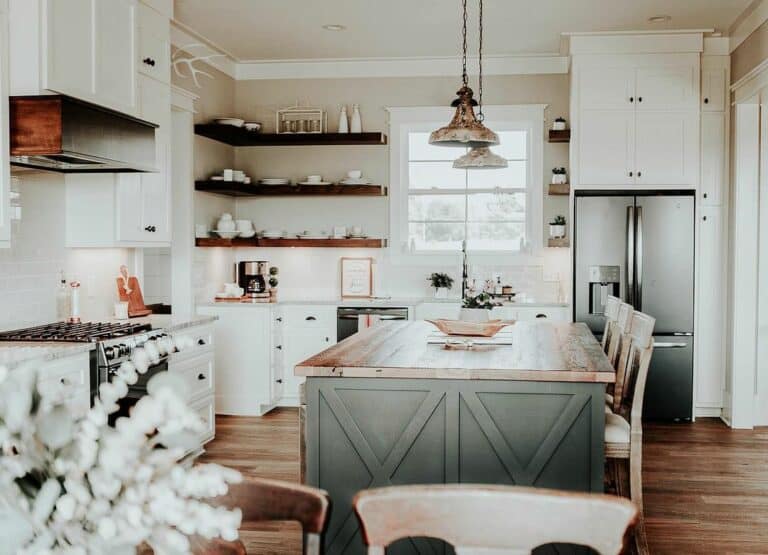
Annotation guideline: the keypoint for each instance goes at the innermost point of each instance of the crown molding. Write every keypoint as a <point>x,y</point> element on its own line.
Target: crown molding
<point>747,23</point>
<point>638,42</point>
<point>447,66</point>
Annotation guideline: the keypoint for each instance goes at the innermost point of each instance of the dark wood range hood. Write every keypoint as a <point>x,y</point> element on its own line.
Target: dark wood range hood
<point>63,134</point>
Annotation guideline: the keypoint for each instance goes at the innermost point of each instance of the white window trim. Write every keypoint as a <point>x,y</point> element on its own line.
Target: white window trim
<point>404,120</point>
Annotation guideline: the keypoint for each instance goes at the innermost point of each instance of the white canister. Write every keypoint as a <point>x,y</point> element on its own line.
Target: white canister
<point>74,315</point>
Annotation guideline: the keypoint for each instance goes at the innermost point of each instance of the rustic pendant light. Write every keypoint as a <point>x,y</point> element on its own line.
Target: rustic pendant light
<point>464,130</point>
<point>480,157</point>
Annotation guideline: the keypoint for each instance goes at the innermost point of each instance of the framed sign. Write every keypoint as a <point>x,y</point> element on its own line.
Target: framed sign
<point>356,277</point>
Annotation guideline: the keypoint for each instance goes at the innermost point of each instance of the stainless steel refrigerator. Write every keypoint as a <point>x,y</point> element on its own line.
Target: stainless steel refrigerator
<point>640,247</point>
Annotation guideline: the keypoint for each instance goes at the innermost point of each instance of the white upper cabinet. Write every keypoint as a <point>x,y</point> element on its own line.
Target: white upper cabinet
<point>636,120</point>
<point>607,88</point>
<point>714,89</point>
<point>666,148</point>
<point>668,88</point>
<point>606,147</point>
<point>81,48</point>
<point>154,52</point>
<point>713,157</point>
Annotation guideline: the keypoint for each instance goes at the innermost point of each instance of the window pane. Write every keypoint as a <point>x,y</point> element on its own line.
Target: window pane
<point>513,176</point>
<point>513,144</point>
<point>495,236</point>
<point>438,175</point>
<point>420,149</point>
<point>436,207</point>
<point>437,237</point>
<point>491,207</point>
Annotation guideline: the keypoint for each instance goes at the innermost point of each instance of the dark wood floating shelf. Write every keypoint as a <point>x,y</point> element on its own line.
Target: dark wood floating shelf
<point>326,243</point>
<point>560,189</point>
<point>239,136</point>
<point>560,136</point>
<point>559,243</point>
<point>235,189</point>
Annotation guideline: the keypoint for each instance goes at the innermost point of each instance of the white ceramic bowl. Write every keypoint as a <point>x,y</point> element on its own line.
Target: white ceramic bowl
<point>253,126</point>
<point>247,234</point>
<point>236,122</point>
<point>226,234</point>
<point>354,174</point>
<point>224,225</point>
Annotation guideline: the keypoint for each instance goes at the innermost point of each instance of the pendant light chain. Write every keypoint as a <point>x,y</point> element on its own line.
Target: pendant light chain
<point>480,115</point>
<point>464,77</point>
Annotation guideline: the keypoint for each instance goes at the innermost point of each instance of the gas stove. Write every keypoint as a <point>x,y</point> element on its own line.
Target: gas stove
<point>86,332</point>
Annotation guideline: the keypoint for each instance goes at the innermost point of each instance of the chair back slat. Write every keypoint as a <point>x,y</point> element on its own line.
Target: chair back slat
<point>611,314</point>
<point>494,519</point>
<point>619,352</point>
<point>263,500</point>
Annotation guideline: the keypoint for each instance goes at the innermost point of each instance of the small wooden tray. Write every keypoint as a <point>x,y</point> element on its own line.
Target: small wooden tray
<point>471,329</point>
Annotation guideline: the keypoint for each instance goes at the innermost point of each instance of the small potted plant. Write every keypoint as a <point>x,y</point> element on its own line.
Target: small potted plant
<point>441,284</point>
<point>273,273</point>
<point>557,227</point>
<point>559,124</point>
<point>477,308</point>
<point>559,176</point>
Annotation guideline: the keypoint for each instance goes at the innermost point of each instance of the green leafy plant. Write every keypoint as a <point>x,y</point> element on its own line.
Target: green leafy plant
<point>558,220</point>
<point>440,280</point>
<point>483,300</point>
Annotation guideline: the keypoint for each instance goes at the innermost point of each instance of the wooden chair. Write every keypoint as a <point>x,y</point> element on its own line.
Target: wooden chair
<point>271,500</point>
<point>619,339</point>
<point>611,312</point>
<point>623,426</point>
<point>490,520</point>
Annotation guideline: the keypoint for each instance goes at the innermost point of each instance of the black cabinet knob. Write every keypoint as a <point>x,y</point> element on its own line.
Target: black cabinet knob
<point>279,381</point>
<point>201,341</point>
<point>631,98</point>
<point>631,174</point>
<point>279,319</point>
<point>639,174</point>
<point>705,218</point>
<point>706,101</point>
<point>201,377</point>
<point>639,98</point>
<point>279,347</point>
<point>705,195</point>
<point>149,61</point>
<point>310,318</point>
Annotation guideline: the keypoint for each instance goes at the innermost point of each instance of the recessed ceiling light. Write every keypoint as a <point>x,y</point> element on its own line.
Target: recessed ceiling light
<point>659,19</point>
<point>334,27</point>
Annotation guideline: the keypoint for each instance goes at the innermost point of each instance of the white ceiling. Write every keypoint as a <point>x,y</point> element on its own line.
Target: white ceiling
<point>292,29</point>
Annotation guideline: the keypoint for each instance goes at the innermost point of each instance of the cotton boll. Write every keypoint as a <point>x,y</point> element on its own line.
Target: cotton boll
<point>166,385</point>
<point>152,351</point>
<point>108,393</point>
<point>55,429</point>
<point>45,500</point>
<point>121,388</point>
<point>18,404</point>
<point>107,528</point>
<point>140,359</point>
<point>97,415</point>
<point>65,507</point>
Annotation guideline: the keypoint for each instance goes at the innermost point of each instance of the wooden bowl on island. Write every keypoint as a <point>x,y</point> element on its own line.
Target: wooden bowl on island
<point>471,329</point>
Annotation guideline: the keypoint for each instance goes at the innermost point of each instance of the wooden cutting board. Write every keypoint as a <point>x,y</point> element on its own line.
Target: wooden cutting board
<point>129,290</point>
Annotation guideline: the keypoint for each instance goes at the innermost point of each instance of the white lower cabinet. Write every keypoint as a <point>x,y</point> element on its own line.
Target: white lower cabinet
<point>435,311</point>
<point>301,331</point>
<point>243,358</point>
<point>450,311</point>
<point>67,379</point>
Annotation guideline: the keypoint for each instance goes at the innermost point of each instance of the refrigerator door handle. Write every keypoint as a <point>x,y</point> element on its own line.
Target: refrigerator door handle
<point>630,255</point>
<point>663,345</point>
<point>639,258</point>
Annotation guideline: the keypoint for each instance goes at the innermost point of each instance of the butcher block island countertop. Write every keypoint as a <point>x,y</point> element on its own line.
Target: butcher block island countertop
<point>539,351</point>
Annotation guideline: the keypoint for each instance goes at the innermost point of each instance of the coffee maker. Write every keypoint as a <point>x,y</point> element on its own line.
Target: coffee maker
<point>252,277</point>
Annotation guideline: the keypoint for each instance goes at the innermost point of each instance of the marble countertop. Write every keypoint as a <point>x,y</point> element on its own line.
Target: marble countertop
<point>383,301</point>
<point>528,351</point>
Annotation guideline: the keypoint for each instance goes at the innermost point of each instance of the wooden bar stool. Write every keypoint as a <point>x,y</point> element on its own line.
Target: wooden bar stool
<point>624,426</point>
<point>611,313</point>
<point>272,500</point>
<point>619,338</point>
<point>491,520</point>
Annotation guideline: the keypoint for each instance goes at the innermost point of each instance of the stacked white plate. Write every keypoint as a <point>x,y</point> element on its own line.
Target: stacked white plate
<point>361,181</point>
<point>275,181</point>
<point>315,183</point>
<point>269,234</point>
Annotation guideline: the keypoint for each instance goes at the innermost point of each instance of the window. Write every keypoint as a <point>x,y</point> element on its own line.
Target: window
<point>435,207</point>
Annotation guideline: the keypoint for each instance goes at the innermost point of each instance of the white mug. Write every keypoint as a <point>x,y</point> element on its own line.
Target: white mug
<point>354,174</point>
<point>201,230</point>
<point>314,178</point>
<point>231,288</point>
<point>339,231</point>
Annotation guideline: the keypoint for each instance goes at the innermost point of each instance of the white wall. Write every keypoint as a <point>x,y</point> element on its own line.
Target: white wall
<point>29,270</point>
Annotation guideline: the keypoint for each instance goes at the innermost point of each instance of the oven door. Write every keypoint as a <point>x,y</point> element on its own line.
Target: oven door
<point>135,391</point>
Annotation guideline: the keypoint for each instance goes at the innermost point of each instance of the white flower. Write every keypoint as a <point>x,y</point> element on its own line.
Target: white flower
<point>45,500</point>
<point>107,528</point>
<point>55,428</point>
<point>65,507</point>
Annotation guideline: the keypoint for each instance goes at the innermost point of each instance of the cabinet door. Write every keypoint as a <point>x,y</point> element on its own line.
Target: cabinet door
<point>713,89</point>
<point>606,146</point>
<point>128,208</point>
<point>713,137</point>
<point>115,54</point>
<point>68,49</point>
<point>154,50</point>
<point>667,88</point>
<point>606,88</point>
<point>666,148</point>
<point>299,345</point>
<point>710,331</point>
<point>155,106</point>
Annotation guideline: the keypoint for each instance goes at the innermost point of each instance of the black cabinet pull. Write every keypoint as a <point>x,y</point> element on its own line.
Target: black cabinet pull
<point>310,318</point>
<point>150,229</point>
<point>541,316</point>
<point>705,218</point>
<point>706,101</point>
<point>639,98</point>
<point>149,61</point>
<point>201,377</point>
<point>279,347</point>
<point>631,174</point>
<point>279,319</point>
<point>631,98</point>
<point>705,195</point>
<point>327,339</point>
<point>279,380</point>
<point>201,341</point>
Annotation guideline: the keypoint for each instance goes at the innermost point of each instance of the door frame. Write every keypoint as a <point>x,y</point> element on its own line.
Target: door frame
<point>746,383</point>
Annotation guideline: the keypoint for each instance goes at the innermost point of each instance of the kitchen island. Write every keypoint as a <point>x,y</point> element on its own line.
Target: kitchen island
<point>388,406</point>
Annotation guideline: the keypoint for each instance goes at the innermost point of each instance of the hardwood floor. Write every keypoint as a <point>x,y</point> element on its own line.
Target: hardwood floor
<point>705,486</point>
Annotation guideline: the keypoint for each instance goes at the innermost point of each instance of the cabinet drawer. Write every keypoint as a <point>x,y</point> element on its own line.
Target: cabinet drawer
<point>198,374</point>
<point>202,339</point>
<point>154,45</point>
<point>308,317</point>
<point>205,408</point>
<point>68,374</point>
